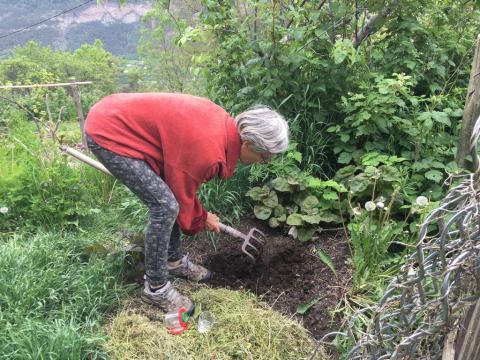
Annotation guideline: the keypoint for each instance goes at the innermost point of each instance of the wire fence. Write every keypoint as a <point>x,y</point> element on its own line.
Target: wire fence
<point>435,285</point>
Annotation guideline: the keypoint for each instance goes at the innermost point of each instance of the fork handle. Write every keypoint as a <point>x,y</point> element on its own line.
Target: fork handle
<point>231,231</point>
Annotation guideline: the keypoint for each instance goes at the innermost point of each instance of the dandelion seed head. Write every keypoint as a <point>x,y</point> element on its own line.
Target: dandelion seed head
<point>370,206</point>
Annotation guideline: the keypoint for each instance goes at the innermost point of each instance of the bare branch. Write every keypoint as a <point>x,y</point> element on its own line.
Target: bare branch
<point>372,24</point>
<point>36,120</point>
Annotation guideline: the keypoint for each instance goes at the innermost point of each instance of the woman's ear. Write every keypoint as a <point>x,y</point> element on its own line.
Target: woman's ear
<point>245,145</point>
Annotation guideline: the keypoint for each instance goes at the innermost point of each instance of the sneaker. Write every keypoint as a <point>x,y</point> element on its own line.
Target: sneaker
<point>190,271</point>
<point>167,298</point>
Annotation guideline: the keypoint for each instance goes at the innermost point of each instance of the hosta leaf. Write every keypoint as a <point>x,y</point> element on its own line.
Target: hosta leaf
<point>291,209</point>
<point>358,184</point>
<point>434,175</point>
<point>293,181</point>
<point>279,211</point>
<point>282,218</point>
<point>372,172</point>
<point>330,195</point>
<point>281,184</point>
<point>273,222</point>
<point>345,172</point>
<point>327,260</point>
<point>271,200</point>
<point>312,219</point>
<point>303,308</point>
<point>389,173</point>
<point>295,219</point>
<point>309,202</point>
<point>329,217</point>
<point>305,233</point>
<point>262,212</point>
<point>256,193</point>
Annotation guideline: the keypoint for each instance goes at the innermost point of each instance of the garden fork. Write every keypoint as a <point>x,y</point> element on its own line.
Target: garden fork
<point>253,242</point>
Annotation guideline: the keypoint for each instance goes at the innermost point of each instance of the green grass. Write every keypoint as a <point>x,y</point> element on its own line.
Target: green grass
<point>53,296</point>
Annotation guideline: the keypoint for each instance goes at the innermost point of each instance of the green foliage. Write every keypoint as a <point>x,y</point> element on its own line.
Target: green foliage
<point>303,308</point>
<point>327,260</point>
<point>42,187</point>
<point>165,66</point>
<point>226,198</point>
<point>35,64</point>
<point>293,198</point>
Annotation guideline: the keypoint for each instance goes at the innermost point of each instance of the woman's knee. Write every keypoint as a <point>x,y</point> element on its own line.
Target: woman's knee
<point>166,205</point>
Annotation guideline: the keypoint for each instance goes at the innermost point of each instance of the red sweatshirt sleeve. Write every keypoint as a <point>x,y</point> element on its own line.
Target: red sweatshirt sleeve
<point>192,216</point>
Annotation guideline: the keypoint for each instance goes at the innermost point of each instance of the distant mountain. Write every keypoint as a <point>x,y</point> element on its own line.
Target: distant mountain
<point>117,27</point>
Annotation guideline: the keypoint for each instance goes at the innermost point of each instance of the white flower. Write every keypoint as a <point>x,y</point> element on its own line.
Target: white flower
<point>380,205</point>
<point>411,271</point>
<point>421,201</point>
<point>370,206</point>
<point>357,211</point>
<point>3,210</point>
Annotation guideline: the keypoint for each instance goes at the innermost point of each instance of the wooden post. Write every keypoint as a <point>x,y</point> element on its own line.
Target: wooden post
<point>471,110</point>
<point>467,343</point>
<point>78,106</point>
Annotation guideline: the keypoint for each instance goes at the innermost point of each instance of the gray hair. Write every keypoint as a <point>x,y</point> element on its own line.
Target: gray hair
<point>266,129</point>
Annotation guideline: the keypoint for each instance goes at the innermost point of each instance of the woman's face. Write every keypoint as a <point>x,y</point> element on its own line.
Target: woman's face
<point>250,155</point>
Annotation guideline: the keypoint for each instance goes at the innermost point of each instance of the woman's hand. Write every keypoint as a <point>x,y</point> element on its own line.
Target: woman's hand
<point>212,223</point>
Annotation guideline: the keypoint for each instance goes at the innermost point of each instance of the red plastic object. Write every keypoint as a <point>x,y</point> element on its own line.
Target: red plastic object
<point>182,324</point>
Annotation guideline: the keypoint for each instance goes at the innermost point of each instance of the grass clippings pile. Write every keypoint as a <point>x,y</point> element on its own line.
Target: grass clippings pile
<point>245,329</point>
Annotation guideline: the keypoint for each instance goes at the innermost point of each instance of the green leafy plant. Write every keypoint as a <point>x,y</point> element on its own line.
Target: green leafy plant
<point>299,201</point>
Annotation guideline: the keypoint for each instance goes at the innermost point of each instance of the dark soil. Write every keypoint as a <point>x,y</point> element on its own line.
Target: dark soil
<point>288,273</point>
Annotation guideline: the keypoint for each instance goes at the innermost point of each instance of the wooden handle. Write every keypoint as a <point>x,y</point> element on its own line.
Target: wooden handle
<point>86,159</point>
<point>231,231</point>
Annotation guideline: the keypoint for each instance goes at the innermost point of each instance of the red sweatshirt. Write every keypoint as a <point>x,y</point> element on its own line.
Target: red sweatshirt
<point>187,140</point>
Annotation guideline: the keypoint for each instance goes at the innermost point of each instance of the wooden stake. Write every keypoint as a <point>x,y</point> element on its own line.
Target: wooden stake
<point>471,110</point>
<point>78,106</point>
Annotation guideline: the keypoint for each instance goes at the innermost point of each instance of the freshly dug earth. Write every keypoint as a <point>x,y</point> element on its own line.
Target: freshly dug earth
<point>288,273</point>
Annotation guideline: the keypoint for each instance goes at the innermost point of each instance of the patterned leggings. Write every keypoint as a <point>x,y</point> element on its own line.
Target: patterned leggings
<point>162,238</point>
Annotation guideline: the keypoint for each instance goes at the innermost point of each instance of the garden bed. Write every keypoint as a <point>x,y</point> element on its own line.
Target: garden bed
<point>289,273</point>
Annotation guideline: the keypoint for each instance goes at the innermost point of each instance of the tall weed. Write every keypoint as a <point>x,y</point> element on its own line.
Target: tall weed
<point>41,187</point>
